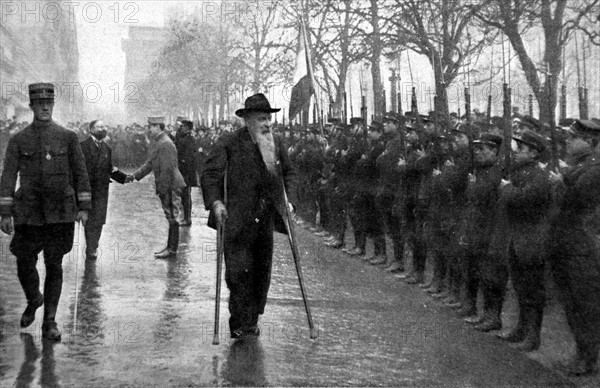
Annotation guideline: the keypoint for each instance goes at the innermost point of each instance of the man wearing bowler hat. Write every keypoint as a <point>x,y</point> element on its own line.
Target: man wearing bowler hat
<point>167,178</point>
<point>256,167</point>
<point>54,192</point>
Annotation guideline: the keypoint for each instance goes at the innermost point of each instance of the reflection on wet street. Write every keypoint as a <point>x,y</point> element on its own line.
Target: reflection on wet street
<point>143,322</point>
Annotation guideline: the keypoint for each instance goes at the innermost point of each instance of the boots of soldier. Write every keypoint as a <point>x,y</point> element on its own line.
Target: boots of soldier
<point>172,243</point>
<point>533,327</point>
<point>52,291</point>
<point>517,333</point>
<point>491,319</point>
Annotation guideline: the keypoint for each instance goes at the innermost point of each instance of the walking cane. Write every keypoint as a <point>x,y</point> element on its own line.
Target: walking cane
<point>78,230</point>
<point>292,239</point>
<point>220,253</point>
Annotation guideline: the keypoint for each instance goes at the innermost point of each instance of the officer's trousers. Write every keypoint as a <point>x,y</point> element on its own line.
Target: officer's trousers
<point>54,240</point>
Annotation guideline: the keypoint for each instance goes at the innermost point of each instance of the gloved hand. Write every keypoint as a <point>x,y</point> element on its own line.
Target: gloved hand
<point>82,216</point>
<point>6,224</point>
<point>220,211</point>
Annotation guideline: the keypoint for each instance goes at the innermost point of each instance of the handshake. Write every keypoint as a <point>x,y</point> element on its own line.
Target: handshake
<point>129,178</point>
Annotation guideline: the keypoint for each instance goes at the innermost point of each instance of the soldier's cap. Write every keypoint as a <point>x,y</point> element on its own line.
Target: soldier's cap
<point>532,139</point>
<point>376,126</point>
<point>41,91</point>
<point>497,121</point>
<point>566,122</point>
<point>460,129</point>
<point>530,122</point>
<point>356,120</point>
<point>585,128</point>
<point>156,120</point>
<point>390,116</point>
<point>183,119</point>
<point>489,139</point>
<point>256,103</point>
<point>339,127</point>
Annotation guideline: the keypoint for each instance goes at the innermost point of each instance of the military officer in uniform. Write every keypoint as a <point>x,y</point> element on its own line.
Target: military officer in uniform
<point>573,249</point>
<point>168,180</point>
<point>54,192</point>
<point>98,161</point>
<point>527,199</point>
<point>482,196</point>
<point>186,154</point>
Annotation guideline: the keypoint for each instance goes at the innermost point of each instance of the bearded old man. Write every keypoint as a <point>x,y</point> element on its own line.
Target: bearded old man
<point>256,165</point>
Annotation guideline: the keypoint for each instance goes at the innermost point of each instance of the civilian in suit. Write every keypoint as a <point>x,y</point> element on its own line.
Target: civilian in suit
<point>98,161</point>
<point>256,165</point>
<point>186,154</point>
<point>167,179</point>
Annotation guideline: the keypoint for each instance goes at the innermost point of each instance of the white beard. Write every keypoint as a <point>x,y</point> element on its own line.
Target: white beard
<point>266,145</point>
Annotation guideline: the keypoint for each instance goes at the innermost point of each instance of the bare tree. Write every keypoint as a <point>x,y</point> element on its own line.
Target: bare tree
<point>558,20</point>
<point>440,31</point>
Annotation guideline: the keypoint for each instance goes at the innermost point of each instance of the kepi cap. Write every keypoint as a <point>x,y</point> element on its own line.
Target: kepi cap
<point>152,120</point>
<point>41,91</point>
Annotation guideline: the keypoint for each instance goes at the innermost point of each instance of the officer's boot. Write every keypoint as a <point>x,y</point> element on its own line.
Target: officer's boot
<point>380,257</point>
<point>174,238</point>
<point>52,290</point>
<point>30,282</point>
<point>491,315</point>
<point>533,328</point>
<point>172,241</point>
<point>517,334</point>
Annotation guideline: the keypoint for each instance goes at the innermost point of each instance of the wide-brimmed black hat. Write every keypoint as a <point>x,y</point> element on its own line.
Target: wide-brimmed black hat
<point>256,103</point>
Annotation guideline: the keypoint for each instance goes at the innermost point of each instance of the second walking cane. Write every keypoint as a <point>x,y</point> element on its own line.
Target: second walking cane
<point>289,225</point>
<point>220,254</point>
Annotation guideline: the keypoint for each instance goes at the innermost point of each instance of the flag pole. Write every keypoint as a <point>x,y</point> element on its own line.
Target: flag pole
<point>310,69</point>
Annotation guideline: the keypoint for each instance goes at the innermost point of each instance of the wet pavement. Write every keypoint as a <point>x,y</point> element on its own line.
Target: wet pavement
<point>143,322</point>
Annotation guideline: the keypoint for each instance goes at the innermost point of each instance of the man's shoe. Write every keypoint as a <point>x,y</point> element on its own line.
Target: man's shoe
<point>452,303</point>
<point>441,295</point>
<point>466,311</point>
<point>396,266</point>
<point>404,275</point>
<point>489,325</point>
<point>166,253</point>
<point>474,319</point>
<point>335,244</point>
<point>185,223</point>
<point>515,335</point>
<point>579,367</point>
<point>165,249</point>
<point>50,331</point>
<point>29,314</point>
<point>415,279</point>
<point>245,332</point>
<point>356,252</point>
<point>378,260</point>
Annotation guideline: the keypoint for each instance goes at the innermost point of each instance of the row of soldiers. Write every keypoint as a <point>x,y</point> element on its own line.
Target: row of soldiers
<point>481,206</point>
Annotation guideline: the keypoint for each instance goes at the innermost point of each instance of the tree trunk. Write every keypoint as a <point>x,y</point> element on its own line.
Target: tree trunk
<point>375,61</point>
